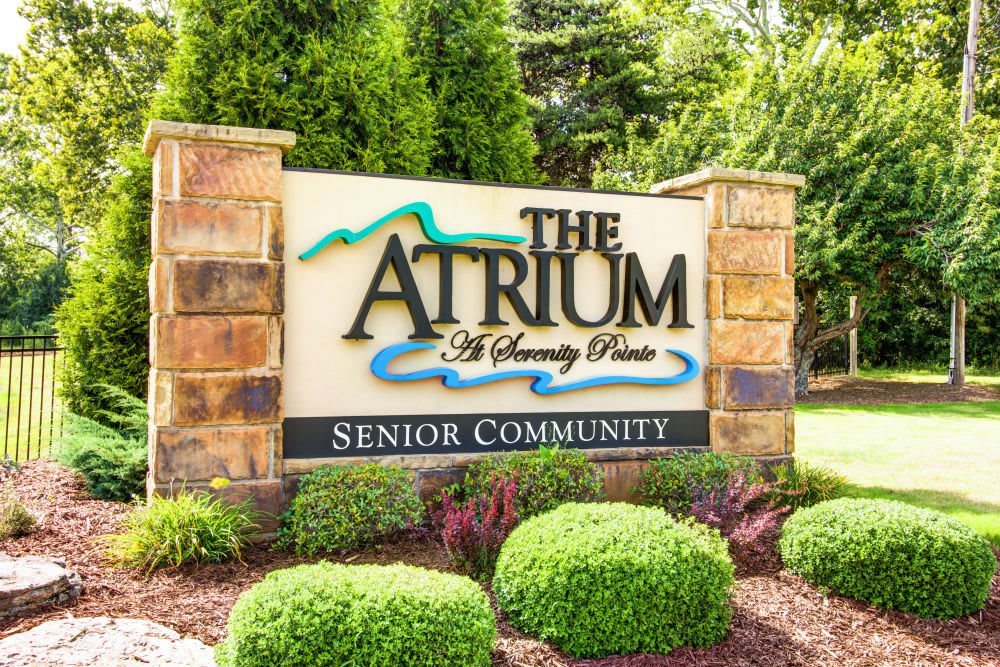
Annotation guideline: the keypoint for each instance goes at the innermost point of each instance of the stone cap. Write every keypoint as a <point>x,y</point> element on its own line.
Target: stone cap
<point>165,129</point>
<point>718,175</point>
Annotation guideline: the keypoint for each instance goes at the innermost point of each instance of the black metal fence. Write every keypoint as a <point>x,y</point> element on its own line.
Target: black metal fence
<point>832,358</point>
<point>30,368</point>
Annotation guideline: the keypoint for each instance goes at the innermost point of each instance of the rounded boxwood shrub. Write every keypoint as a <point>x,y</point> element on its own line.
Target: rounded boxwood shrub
<point>344,507</point>
<point>332,614</point>
<point>598,579</point>
<point>891,554</point>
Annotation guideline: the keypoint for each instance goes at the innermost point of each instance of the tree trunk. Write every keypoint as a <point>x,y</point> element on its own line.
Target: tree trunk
<point>808,337</point>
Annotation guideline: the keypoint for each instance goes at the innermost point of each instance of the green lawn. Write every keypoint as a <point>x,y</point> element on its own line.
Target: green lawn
<point>945,456</point>
<point>926,375</point>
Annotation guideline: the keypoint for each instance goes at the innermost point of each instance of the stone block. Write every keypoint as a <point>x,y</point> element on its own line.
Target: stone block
<point>621,478</point>
<point>230,172</point>
<point>275,233</point>
<point>276,450</point>
<point>713,387</point>
<point>205,453</point>
<point>275,342</point>
<point>202,399</point>
<point>210,341</point>
<point>790,432</point>
<point>749,433</point>
<point>755,206</point>
<point>268,500</point>
<point>789,254</point>
<point>713,297</point>
<point>430,482</point>
<point>199,227</point>
<point>758,387</point>
<point>163,170</point>
<point>267,497</point>
<point>159,285</point>
<point>414,461</point>
<point>228,286</point>
<point>766,298</point>
<point>746,342</point>
<point>754,252</point>
<point>29,582</point>
<point>715,205</point>
<point>161,395</point>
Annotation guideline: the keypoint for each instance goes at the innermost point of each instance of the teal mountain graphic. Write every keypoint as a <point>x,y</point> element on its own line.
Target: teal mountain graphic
<point>425,216</point>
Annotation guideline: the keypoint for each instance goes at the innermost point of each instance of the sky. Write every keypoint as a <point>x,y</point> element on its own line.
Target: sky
<point>12,26</point>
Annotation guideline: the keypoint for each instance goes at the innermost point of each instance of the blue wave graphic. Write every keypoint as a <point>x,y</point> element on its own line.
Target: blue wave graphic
<point>543,380</point>
<point>425,216</point>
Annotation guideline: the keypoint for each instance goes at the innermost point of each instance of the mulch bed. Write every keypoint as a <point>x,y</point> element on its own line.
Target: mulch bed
<point>778,619</point>
<point>844,390</point>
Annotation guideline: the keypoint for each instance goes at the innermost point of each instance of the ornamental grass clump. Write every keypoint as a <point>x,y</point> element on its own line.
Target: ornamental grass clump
<point>891,554</point>
<point>603,579</point>
<point>15,519</point>
<point>332,614</point>
<point>546,478</point>
<point>798,484</point>
<point>191,527</point>
<point>348,507</point>
<point>474,531</point>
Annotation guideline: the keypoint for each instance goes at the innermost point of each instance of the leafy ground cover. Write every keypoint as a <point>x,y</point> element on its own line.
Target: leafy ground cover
<point>943,456</point>
<point>777,618</point>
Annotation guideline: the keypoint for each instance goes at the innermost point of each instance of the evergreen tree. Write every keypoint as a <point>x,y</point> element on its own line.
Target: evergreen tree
<point>104,321</point>
<point>335,72</point>
<point>482,121</point>
<point>589,69</point>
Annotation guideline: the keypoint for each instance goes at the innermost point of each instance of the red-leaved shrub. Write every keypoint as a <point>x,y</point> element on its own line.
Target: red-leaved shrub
<point>474,531</point>
<point>745,515</point>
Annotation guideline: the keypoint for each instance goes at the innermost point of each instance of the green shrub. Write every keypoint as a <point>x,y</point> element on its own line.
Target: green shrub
<point>599,579</point>
<point>104,321</point>
<point>546,478</point>
<point>674,483</point>
<point>345,507</point>
<point>112,458</point>
<point>15,519</point>
<point>332,614</point>
<point>190,527</point>
<point>891,554</point>
<point>798,484</point>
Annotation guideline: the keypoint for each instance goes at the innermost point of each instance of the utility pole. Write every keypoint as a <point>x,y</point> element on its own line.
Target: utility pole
<point>956,371</point>
<point>853,338</point>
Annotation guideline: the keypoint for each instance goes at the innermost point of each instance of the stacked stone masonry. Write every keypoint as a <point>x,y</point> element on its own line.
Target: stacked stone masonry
<point>749,381</point>
<point>216,294</point>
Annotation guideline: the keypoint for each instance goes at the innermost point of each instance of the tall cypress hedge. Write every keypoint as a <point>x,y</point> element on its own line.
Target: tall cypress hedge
<point>336,72</point>
<point>482,114</point>
<point>104,321</point>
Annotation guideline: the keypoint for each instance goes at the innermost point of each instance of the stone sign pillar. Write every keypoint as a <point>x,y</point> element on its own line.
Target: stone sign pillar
<point>750,378</point>
<point>217,301</point>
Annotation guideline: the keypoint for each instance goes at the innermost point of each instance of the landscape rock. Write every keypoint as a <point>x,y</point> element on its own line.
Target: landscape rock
<point>109,642</point>
<point>31,581</point>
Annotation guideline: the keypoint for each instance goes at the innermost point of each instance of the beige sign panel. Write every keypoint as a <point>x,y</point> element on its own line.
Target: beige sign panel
<point>368,256</point>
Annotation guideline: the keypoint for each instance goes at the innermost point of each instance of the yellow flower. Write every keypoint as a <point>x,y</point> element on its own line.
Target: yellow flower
<point>219,483</point>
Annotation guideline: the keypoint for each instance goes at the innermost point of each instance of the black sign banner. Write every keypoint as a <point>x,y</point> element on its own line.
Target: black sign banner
<point>386,435</point>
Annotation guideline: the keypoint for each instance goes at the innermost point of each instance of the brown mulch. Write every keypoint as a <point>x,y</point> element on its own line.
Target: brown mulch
<point>844,390</point>
<point>778,619</point>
